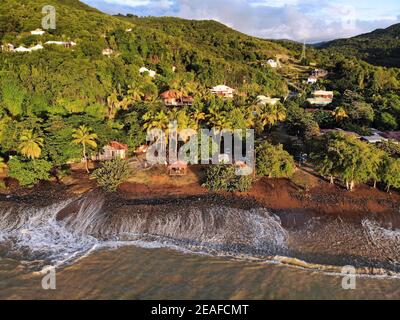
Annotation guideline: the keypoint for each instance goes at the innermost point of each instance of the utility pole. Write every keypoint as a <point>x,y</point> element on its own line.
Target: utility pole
<point>303,54</point>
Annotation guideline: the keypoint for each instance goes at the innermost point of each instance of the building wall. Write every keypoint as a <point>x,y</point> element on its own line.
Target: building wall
<point>111,153</point>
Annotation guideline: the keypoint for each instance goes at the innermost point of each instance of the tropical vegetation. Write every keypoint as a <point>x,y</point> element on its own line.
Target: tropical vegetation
<point>60,105</point>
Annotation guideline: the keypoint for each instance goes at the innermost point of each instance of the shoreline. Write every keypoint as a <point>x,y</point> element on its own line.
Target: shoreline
<point>273,194</point>
<point>294,206</point>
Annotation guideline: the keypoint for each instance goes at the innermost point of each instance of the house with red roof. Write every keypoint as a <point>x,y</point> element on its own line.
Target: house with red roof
<point>113,150</point>
<point>175,98</point>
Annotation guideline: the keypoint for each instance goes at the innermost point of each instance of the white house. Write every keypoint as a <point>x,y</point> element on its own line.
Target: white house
<point>312,80</point>
<point>7,47</point>
<point>321,98</point>
<point>151,73</point>
<point>223,91</point>
<point>323,94</point>
<point>58,43</point>
<point>22,49</point>
<point>37,47</point>
<point>113,150</point>
<point>38,32</point>
<point>67,44</point>
<point>272,63</point>
<point>267,100</point>
<point>107,52</point>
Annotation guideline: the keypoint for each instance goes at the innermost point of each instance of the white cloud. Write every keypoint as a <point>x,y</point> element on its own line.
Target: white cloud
<point>159,4</point>
<point>310,20</point>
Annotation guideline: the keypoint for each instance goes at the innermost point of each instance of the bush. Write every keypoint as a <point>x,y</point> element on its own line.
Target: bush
<point>391,173</point>
<point>274,162</point>
<point>224,178</point>
<point>387,121</point>
<point>111,174</point>
<point>29,172</point>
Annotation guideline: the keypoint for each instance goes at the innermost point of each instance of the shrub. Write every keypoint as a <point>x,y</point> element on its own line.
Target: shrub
<point>387,121</point>
<point>274,162</point>
<point>111,174</point>
<point>391,173</point>
<point>224,178</point>
<point>29,172</point>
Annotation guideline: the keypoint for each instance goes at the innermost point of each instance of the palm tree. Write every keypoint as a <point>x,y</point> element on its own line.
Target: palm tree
<point>149,90</point>
<point>114,104</point>
<point>269,115</point>
<point>189,87</point>
<point>84,136</point>
<point>250,117</point>
<point>204,93</point>
<point>340,114</point>
<point>30,144</point>
<point>183,121</point>
<point>218,119</point>
<point>159,120</point>
<point>135,93</point>
<point>197,114</point>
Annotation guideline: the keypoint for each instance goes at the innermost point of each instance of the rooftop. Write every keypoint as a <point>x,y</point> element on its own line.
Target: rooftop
<point>322,92</point>
<point>222,88</point>
<point>178,165</point>
<point>118,146</point>
<point>171,94</point>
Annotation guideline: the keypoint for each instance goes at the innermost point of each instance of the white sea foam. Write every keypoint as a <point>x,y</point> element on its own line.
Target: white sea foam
<point>387,240</point>
<point>217,230</point>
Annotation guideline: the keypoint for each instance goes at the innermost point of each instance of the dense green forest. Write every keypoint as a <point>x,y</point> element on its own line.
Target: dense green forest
<point>59,99</point>
<point>380,47</point>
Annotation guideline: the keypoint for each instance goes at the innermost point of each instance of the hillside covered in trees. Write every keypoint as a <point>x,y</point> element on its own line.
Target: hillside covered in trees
<point>98,78</point>
<point>91,77</point>
<point>380,47</point>
<point>49,92</point>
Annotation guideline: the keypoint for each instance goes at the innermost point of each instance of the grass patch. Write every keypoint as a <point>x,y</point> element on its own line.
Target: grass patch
<point>305,180</point>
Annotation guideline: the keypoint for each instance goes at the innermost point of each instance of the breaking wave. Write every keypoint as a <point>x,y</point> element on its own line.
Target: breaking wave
<point>42,234</point>
<point>64,232</point>
<point>386,240</point>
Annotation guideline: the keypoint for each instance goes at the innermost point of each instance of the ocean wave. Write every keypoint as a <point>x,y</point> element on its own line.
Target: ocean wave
<point>63,233</point>
<point>38,233</point>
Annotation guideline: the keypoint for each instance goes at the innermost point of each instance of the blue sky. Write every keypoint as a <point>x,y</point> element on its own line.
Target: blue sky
<point>309,20</point>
